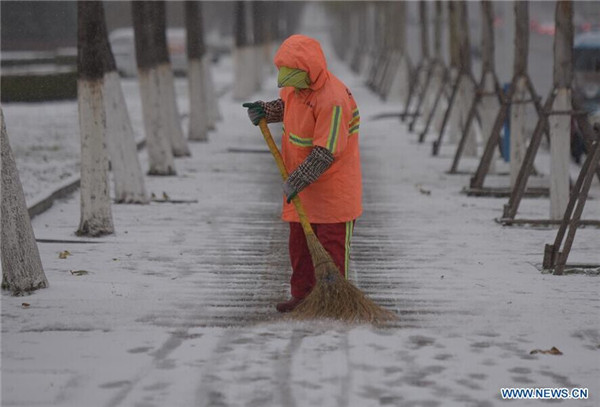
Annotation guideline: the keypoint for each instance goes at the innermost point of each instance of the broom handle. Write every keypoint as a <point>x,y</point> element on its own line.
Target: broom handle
<point>264,128</point>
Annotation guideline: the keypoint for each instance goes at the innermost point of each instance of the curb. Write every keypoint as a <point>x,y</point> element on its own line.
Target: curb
<point>46,203</point>
<point>43,204</point>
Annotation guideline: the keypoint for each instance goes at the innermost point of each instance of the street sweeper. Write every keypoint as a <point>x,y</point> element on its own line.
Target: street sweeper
<point>320,150</point>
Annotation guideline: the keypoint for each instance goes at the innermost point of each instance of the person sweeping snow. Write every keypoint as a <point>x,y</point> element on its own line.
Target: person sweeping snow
<point>320,151</point>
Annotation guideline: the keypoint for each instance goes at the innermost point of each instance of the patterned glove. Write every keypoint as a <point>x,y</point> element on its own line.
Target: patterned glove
<point>256,111</point>
<point>317,162</point>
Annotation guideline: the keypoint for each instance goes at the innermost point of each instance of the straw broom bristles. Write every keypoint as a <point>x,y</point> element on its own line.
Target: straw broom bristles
<point>335,297</point>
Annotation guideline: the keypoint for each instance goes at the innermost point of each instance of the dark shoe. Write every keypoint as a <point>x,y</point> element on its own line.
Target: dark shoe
<point>288,306</point>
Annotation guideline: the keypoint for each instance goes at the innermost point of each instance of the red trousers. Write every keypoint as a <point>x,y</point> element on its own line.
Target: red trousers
<point>335,238</point>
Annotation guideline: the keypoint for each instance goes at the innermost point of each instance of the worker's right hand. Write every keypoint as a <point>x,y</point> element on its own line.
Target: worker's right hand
<point>256,111</point>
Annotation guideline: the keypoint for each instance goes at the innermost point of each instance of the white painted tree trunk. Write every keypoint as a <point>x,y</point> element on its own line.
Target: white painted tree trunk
<point>365,65</point>
<point>128,177</point>
<point>198,123</point>
<point>22,269</point>
<point>400,83</point>
<point>434,86</point>
<point>489,110</point>
<point>160,154</point>
<point>258,66</point>
<point>518,122</point>
<point>560,134</point>
<point>214,112</point>
<point>96,215</point>
<point>438,118</point>
<point>467,95</point>
<point>166,84</point>
<point>243,77</point>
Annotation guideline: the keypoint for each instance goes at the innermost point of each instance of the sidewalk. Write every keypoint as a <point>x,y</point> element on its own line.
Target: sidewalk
<point>176,309</point>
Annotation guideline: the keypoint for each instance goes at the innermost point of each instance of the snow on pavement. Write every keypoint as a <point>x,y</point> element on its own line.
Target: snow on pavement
<point>177,307</point>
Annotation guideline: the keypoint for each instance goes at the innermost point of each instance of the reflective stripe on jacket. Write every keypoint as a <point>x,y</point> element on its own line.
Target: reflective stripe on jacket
<point>324,115</point>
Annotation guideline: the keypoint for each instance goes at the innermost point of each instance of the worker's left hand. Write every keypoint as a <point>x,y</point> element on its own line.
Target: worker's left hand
<point>289,191</point>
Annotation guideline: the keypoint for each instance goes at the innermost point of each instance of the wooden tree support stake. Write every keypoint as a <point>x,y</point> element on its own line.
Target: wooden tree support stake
<point>556,255</point>
<point>478,178</point>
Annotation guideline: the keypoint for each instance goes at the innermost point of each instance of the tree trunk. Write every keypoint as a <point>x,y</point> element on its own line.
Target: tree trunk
<point>257,15</point>
<point>521,38</point>
<point>467,86</point>
<point>396,21</point>
<point>487,37</point>
<point>423,20</point>
<point>438,73</point>
<point>437,31</point>
<point>489,102</point>
<point>196,49</point>
<point>129,180</point>
<point>214,113</point>
<point>518,129</point>
<point>464,37</point>
<point>96,216</point>
<point>243,56</point>
<point>453,34</point>
<point>153,71</point>
<point>22,269</point>
<point>518,119</point>
<point>560,125</point>
<point>454,38</point>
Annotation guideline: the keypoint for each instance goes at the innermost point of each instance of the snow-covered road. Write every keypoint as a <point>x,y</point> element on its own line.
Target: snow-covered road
<point>177,307</point>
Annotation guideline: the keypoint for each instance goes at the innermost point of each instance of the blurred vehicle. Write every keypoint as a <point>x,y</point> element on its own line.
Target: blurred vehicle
<point>543,28</point>
<point>586,65</point>
<point>123,47</point>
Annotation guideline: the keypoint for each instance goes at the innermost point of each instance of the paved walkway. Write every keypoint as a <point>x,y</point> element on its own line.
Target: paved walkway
<point>177,306</point>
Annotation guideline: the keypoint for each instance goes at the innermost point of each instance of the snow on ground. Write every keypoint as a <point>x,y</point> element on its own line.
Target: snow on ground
<point>176,308</point>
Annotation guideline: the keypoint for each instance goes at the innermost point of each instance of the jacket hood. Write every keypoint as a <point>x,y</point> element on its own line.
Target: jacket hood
<point>302,52</point>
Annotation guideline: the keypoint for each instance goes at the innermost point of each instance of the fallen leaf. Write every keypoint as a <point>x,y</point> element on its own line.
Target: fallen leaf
<point>25,305</point>
<point>79,272</point>
<point>64,255</point>
<point>552,351</point>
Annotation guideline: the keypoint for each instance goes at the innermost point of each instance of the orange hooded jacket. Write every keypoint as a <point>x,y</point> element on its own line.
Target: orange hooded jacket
<point>324,115</point>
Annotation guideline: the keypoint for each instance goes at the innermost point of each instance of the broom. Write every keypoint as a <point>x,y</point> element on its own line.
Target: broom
<point>333,296</point>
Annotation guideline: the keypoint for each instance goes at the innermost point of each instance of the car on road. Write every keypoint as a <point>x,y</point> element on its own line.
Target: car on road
<point>586,65</point>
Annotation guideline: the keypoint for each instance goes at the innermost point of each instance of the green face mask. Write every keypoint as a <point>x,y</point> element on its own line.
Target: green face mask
<point>293,77</point>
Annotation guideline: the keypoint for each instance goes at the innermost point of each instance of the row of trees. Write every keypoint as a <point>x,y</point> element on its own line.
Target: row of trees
<point>105,126</point>
<point>449,96</point>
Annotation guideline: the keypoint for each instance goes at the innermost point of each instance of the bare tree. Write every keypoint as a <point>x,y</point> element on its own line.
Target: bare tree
<point>518,111</point>
<point>196,49</point>
<point>560,125</point>
<point>243,55</point>
<point>96,216</point>
<point>258,40</point>
<point>128,178</point>
<point>394,16</point>
<point>489,100</point>
<point>22,269</point>
<point>164,136</point>
<point>467,88</point>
